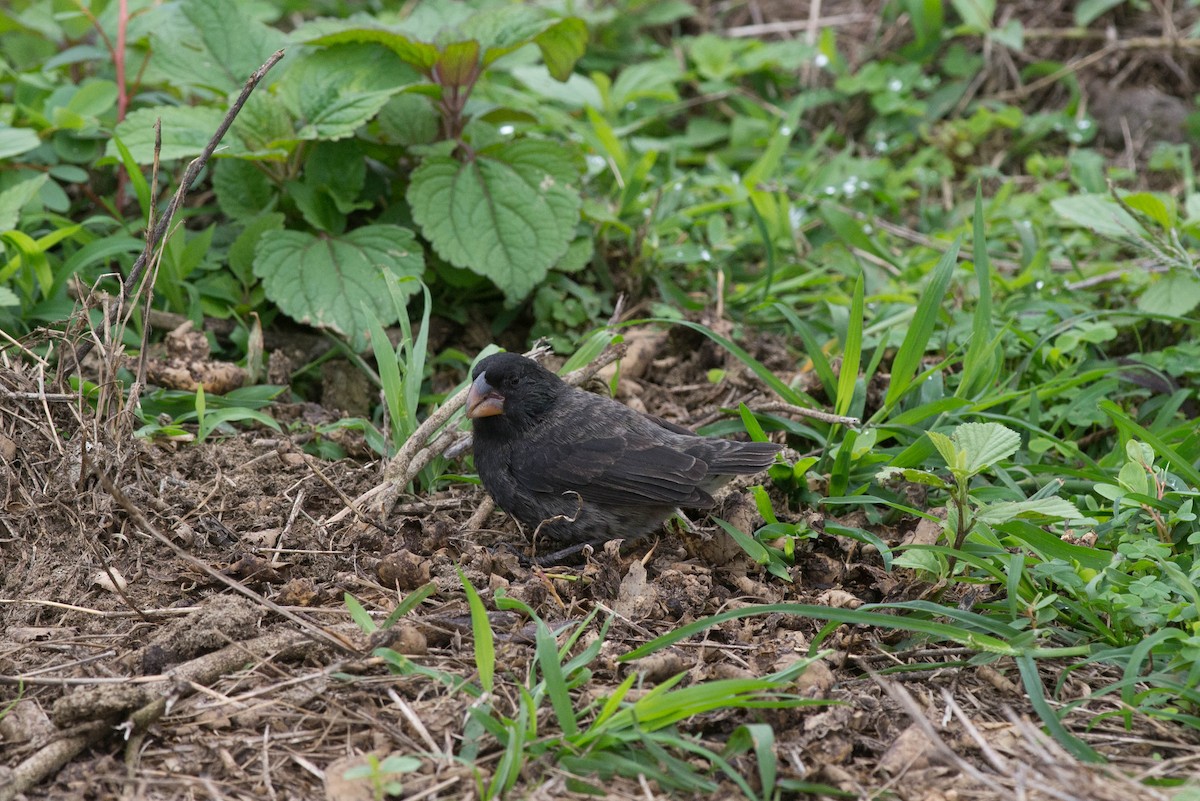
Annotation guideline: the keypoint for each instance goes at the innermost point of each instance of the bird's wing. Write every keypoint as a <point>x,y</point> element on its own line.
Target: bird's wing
<point>624,469</point>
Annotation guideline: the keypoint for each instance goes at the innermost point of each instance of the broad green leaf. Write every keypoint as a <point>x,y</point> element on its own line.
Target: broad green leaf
<point>266,127</point>
<point>985,444</point>
<point>419,55</point>
<point>1098,212</point>
<point>562,45</point>
<point>331,282</point>
<point>1174,294</point>
<point>332,92</point>
<point>946,447</point>
<point>243,190</point>
<point>241,252</point>
<point>8,297</point>
<point>408,119</point>
<point>15,141</point>
<point>211,44</point>
<point>509,214</point>
<point>1163,212</point>
<point>185,133</point>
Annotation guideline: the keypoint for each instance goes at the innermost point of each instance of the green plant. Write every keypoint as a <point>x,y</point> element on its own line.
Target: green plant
<point>384,774</point>
<point>969,450</point>
<point>163,413</point>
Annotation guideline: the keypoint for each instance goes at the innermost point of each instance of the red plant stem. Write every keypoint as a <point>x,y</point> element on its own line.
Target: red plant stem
<point>122,92</point>
<point>119,58</point>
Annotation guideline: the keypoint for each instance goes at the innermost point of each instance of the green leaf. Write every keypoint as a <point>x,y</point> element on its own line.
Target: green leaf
<point>912,349</point>
<point>15,141</point>
<point>851,351</point>
<point>13,199</point>
<point>1163,212</point>
<point>243,190</point>
<point>753,548</point>
<point>185,133</point>
<point>913,475</point>
<point>332,92</point>
<point>458,64</point>
<point>481,627</point>
<point>508,215</point>
<point>1087,11</point>
<point>984,444</point>
<point>981,353</point>
<point>420,55</point>
<point>1098,212</point>
<point>946,447</point>
<point>562,45</point>
<point>331,282</point>
<point>997,513</point>
<point>214,45</point>
<point>976,14</point>
<point>1174,294</point>
<point>361,617</point>
<point>241,252</point>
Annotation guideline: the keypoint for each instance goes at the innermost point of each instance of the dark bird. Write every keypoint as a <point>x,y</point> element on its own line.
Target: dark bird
<point>585,468</point>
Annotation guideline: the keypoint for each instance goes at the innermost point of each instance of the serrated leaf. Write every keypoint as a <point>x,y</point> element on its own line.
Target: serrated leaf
<point>985,444</point>
<point>504,215</point>
<point>265,127</point>
<point>213,45</point>
<point>562,45</point>
<point>997,513</point>
<point>241,252</point>
<point>242,189</point>
<point>332,92</point>
<point>1097,212</point>
<point>15,141</point>
<point>946,447</point>
<point>8,297</point>
<point>340,282</point>
<point>420,55</point>
<point>185,133</point>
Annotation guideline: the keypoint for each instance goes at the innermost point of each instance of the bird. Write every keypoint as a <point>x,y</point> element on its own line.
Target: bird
<point>582,469</point>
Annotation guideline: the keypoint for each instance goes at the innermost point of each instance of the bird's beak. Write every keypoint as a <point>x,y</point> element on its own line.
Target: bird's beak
<point>483,400</point>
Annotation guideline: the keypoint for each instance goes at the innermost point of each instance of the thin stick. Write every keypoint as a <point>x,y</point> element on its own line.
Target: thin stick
<point>800,411</point>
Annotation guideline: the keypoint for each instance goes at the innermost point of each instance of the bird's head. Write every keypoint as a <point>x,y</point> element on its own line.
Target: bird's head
<point>511,391</point>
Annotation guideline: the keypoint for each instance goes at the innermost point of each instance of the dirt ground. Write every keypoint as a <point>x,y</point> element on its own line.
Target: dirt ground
<point>172,622</point>
<point>172,625</point>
